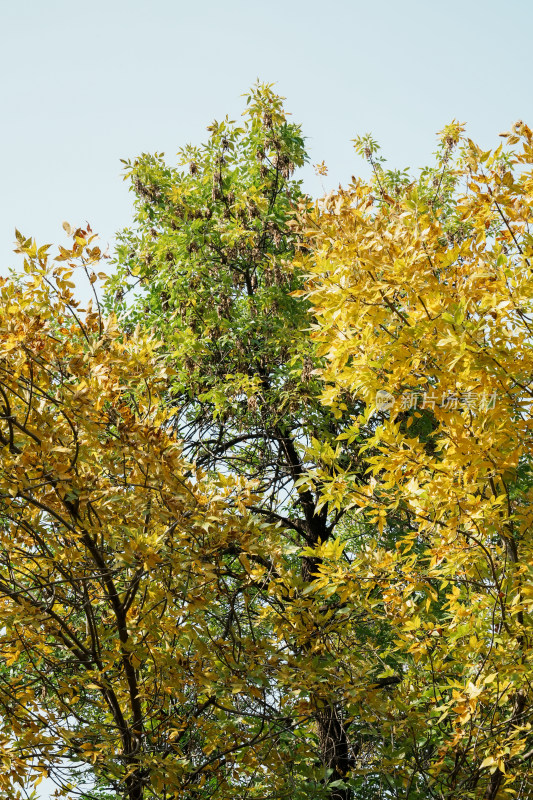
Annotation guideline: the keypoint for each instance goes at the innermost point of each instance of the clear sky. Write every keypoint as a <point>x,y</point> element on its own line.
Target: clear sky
<point>84,84</point>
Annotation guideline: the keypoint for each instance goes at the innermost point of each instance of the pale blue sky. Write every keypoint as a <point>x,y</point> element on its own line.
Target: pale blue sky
<point>84,84</point>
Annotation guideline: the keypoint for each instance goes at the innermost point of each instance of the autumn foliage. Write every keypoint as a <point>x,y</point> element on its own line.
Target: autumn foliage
<point>265,509</point>
<point>423,301</point>
<point>119,562</point>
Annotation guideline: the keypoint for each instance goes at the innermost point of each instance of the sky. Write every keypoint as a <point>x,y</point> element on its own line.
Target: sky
<point>86,84</point>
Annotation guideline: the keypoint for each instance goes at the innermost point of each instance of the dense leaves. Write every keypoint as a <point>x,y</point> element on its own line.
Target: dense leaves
<point>265,525</point>
<point>423,296</point>
<point>210,265</point>
<point>122,569</point>
<point>209,258</point>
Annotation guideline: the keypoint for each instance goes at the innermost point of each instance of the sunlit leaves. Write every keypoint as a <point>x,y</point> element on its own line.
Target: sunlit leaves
<point>423,300</point>
<point>122,568</point>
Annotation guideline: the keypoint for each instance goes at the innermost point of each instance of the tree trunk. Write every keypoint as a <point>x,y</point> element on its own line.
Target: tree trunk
<point>335,749</point>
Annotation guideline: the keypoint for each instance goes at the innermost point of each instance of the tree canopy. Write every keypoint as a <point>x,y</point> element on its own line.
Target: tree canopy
<point>265,507</point>
<point>423,300</point>
<point>121,565</point>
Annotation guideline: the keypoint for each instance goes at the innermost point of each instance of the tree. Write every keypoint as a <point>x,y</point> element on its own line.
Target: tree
<point>209,265</point>
<point>422,292</point>
<point>121,566</point>
<point>282,549</point>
